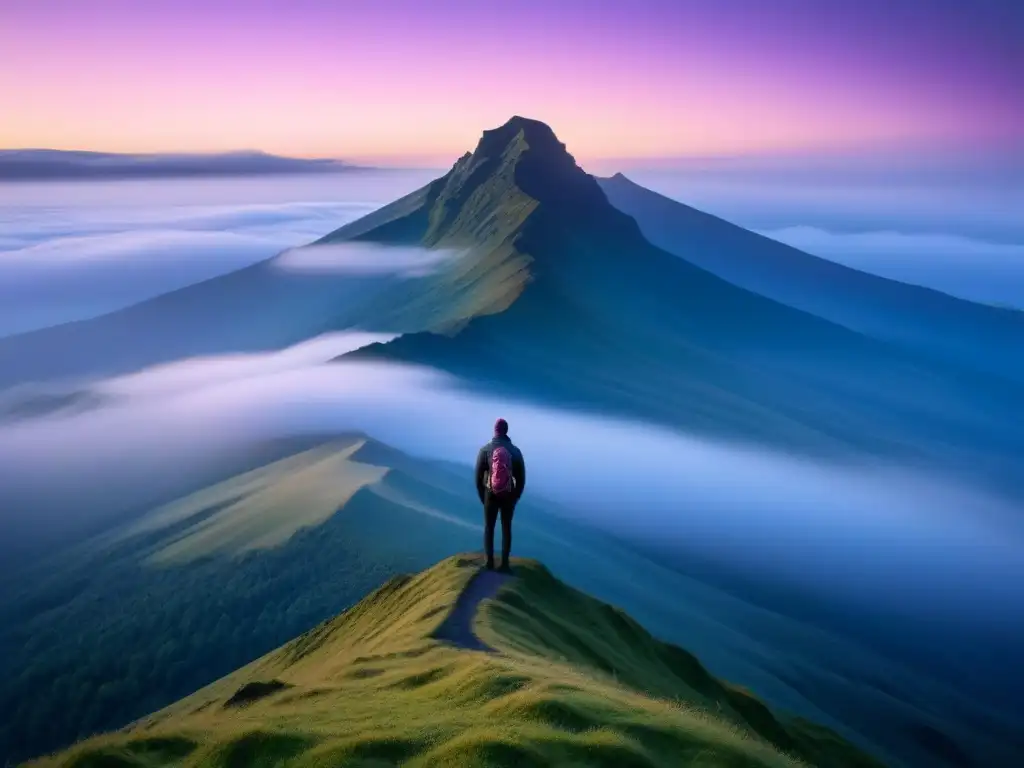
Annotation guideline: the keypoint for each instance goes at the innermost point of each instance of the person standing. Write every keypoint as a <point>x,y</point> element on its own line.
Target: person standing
<point>500,481</point>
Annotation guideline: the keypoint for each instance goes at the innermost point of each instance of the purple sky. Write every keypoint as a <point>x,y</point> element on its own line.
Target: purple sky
<point>412,78</point>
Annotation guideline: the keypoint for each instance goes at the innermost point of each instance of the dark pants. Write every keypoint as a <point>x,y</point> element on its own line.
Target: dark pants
<point>495,504</point>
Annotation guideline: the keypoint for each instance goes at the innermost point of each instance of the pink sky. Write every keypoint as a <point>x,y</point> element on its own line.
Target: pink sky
<point>392,79</point>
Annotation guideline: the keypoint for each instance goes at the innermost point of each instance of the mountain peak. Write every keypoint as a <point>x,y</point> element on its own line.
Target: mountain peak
<point>535,132</point>
<point>518,179</point>
<point>524,156</point>
<point>520,122</point>
<point>519,135</point>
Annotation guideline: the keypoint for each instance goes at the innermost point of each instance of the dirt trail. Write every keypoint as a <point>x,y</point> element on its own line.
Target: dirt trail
<point>457,629</point>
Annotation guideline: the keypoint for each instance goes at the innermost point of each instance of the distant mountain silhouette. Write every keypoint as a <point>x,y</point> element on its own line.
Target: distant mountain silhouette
<point>60,165</point>
<point>985,337</point>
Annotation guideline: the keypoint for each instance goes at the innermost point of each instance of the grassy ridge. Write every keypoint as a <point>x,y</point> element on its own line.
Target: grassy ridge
<point>262,508</point>
<point>574,682</point>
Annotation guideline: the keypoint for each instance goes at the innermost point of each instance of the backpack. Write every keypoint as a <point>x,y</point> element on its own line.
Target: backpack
<point>501,470</point>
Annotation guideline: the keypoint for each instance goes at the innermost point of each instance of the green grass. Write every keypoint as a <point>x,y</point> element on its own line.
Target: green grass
<point>262,508</point>
<point>574,682</point>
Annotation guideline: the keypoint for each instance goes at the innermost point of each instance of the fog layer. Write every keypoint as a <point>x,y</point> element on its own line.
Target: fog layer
<point>970,268</point>
<point>76,250</point>
<point>880,535</point>
<point>916,550</point>
<point>960,237</point>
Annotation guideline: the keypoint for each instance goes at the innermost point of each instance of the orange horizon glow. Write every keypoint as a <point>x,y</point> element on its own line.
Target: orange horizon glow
<point>432,142</point>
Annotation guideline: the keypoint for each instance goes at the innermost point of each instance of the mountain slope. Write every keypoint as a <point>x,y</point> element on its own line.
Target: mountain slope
<point>279,567</point>
<point>259,308</point>
<point>554,295</point>
<point>571,680</point>
<point>288,543</point>
<point>567,302</point>
<point>989,338</point>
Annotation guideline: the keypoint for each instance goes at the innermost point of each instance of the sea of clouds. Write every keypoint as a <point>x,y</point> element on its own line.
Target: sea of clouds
<point>888,539</point>
<point>79,249</point>
<point>965,238</point>
<point>364,259</point>
<point>971,268</point>
<point>70,251</point>
<point>876,533</point>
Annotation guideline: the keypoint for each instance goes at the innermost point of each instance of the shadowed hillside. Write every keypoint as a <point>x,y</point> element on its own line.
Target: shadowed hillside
<point>588,313</point>
<point>205,583</point>
<point>988,338</point>
<point>570,680</point>
<point>552,294</point>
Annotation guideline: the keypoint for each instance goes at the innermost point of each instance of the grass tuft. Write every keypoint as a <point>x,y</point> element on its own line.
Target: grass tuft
<point>257,749</point>
<point>257,689</point>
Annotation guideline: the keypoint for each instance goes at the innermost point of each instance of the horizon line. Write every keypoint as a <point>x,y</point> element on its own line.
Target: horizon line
<point>446,159</point>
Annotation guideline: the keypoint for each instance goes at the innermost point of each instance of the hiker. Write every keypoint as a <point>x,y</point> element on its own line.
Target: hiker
<point>500,480</point>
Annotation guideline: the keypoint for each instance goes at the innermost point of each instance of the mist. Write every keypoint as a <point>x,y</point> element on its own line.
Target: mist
<point>71,251</point>
<point>973,269</point>
<point>961,236</point>
<point>868,535</point>
<point>74,278</point>
<point>922,555</point>
<point>364,259</point>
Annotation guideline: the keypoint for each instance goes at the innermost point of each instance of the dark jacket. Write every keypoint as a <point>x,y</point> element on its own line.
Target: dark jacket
<point>483,466</point>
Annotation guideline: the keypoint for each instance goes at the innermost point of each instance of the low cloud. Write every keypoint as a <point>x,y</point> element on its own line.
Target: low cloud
<point>364,259</point>
<point>76,250</point>
<point>834,204</point>
<point>72,278</point>
<point>282,221</point>
<point>201,372</point>
<point>934,548</point>
<point>971,268</point>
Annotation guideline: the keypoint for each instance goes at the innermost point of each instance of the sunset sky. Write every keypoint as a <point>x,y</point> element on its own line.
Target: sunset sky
<point>401,79</point>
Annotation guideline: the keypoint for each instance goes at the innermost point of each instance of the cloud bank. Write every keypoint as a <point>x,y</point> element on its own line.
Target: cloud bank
<point>73,251</point>
<point>364,259</point>
<point>935,549</point>
<point>978,211</point>
<point>970,268</point>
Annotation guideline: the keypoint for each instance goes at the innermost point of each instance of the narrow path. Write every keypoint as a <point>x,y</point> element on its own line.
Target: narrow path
<point>457,629</point>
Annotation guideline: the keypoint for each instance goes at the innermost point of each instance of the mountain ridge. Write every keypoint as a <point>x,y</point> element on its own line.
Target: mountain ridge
<point>521,187</point>
<point>556,297</point>
<point>523,159</point>
<point>584,294</point>
<point>990,338</point>
<point>589,314</point>
<point>415,515</point>
<point>563,678</point>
